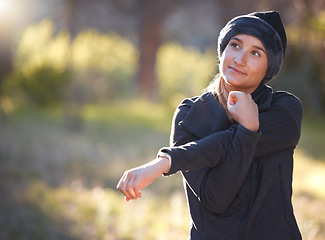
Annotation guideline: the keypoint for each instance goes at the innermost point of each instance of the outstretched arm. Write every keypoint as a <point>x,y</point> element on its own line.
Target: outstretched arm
<point>138,178</point>
<point>135,179</point>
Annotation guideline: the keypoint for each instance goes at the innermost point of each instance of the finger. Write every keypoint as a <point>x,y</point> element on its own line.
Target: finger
<point>121,181</point>
<point>136,188</point>
<point>130,189</point>
<point>122,185</point>
<point>232,100</point>
<point>122,189</point>
<point>233,96</point>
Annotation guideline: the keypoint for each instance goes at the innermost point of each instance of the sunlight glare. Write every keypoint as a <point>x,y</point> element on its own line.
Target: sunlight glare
<point>5,7</point>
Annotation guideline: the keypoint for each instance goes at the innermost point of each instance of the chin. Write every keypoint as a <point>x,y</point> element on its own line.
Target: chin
<point>235,83</point>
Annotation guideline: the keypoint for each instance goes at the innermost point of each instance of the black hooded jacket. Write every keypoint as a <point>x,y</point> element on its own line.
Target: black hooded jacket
<point>238,182</point>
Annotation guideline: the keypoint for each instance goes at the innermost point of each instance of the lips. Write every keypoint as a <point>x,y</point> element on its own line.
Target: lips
<point>237,71</point>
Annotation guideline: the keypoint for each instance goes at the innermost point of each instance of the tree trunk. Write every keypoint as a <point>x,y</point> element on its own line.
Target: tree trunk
<point>6,52</point>
<point>150,39</point>
<point>6,57</point>
<point>152,17</point>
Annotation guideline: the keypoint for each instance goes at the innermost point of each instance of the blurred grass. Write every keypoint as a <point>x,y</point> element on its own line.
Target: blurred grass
<point>313,135</point>
<point>135,114</point>
<point>61,185</point>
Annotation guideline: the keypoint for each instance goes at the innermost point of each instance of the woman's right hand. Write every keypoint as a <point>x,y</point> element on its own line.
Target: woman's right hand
<point>243,109</point>
<point>135,179</point>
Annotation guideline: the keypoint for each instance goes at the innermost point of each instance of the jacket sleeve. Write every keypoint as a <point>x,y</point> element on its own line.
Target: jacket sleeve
<point>185,148</point>
<point>190,153</point>
<point>217,187</point>
<point>214,186</point>
<point>280,125</point>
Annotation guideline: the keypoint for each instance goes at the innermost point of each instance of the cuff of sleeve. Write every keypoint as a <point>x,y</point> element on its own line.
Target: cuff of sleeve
<point>253,135</point>
<point>165,155</point>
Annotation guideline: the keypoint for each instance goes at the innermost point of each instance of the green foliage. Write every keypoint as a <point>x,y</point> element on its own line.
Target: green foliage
<point>112,58</point>
<point>41,65</point>
<point>40,47</point>
<point>183,72</point>
<point>43,86</point>
<point>51,69</point>
<point>100,67</point>
<point>109,53</point>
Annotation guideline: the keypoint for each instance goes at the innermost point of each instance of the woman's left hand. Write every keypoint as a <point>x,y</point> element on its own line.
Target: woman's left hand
<point>243,109</point>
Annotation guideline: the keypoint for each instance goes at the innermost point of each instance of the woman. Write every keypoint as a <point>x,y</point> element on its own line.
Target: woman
<point>234,144</point>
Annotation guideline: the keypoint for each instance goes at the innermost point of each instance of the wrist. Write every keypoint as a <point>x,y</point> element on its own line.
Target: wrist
<point>253,126</point>
<point>165,160</point>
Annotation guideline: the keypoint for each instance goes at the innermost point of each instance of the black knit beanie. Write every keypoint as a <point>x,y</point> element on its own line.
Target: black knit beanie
<point>268,28</point>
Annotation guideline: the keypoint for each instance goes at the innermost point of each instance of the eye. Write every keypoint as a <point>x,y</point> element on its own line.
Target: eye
<point>256,53</point>
<point>234,45</point>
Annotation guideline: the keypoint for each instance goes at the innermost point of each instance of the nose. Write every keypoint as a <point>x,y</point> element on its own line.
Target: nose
<point>240,58</point>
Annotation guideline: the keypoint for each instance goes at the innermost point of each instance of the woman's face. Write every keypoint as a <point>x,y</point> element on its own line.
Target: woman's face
<point>243,63</point>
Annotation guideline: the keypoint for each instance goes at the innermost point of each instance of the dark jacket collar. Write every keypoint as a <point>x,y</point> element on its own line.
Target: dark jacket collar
<point>262,96</point>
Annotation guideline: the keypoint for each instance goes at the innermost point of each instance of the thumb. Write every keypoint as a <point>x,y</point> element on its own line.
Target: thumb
<point>232,98</point>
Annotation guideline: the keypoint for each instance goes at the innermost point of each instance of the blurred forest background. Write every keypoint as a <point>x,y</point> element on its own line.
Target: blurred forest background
<point>88,90</point>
